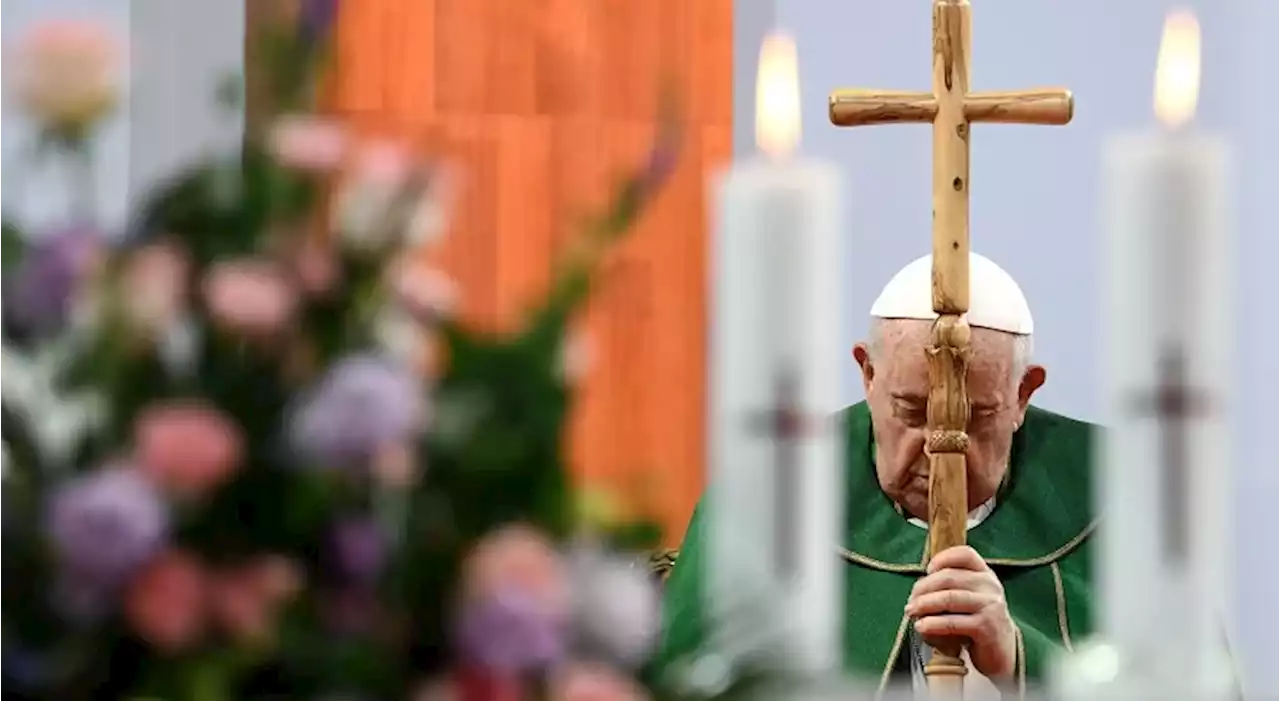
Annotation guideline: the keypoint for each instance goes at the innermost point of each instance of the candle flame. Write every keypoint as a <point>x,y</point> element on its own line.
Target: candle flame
<point>1178,69</point>
<point>777,97</point>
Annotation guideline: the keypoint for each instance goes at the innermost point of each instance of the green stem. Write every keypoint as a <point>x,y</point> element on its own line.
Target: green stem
<point>210,682</point>
<point>83,181</point>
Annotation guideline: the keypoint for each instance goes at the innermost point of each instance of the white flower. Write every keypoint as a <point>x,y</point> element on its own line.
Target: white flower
<point>57,422</point>
<point>577,357</point>
<point>401,336</point>
<point>428,222</point>
<point>360,215</point>
<point>366,206</point>
<point>618,606</point>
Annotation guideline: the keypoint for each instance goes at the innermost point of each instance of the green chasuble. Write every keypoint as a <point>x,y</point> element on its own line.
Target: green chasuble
<point>1036,540</point>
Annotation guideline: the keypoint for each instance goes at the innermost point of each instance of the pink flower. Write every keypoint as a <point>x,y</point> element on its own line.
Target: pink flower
<point>425,292</point>
<point>249,296</point>
<point>583,682</point>
<point>277,578</point>
<point>67,74</point>
<point>316,268</point>
<point>368,209</point>
<point>517,557</point>
<point>155,280</point>
<point>166,604</point>
<point>240,606</point>
<point>187,449</point>
<point>308,143</point>
<point>383,164</point>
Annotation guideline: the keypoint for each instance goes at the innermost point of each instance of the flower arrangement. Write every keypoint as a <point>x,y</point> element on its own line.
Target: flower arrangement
<point>250,453</point>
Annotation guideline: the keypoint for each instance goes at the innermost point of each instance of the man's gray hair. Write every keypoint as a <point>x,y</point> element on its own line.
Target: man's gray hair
<point>1023,345</point>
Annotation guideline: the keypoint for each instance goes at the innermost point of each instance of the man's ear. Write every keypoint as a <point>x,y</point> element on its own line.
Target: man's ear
<point>1032,380</point>
<point>863,357</point>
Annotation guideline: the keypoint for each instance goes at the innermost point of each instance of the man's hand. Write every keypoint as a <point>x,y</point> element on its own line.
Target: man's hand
<point>961,597</point>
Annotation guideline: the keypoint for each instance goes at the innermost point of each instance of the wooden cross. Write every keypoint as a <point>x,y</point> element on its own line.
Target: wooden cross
<point>1173,404</point>
<point>951,108</point>
<point>786,425</point>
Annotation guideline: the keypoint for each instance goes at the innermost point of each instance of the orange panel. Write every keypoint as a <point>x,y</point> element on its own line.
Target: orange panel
<point>542,104</point>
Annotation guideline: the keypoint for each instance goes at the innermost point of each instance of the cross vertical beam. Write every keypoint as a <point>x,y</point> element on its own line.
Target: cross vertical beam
<point>951,109</point>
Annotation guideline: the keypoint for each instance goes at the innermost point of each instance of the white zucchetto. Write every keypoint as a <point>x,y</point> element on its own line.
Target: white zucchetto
<point>995,300</point>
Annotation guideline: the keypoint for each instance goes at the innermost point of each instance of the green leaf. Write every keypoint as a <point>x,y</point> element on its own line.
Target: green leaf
<point>14,245</point>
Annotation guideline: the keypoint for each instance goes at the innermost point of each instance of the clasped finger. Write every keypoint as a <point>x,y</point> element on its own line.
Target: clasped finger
<point>967,580</point>
<point>948,601</point>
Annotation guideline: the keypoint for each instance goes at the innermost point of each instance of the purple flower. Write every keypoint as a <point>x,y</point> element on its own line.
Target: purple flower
<point>317,18</point>
<point>38,297</point>
<point>359,550</point>
<point>362,405</point>
<point>103,526</point>
<point>511,632</point>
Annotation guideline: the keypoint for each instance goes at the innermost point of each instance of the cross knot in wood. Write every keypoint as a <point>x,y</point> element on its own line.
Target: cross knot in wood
<point>951,331</point>
<point>948,442</point>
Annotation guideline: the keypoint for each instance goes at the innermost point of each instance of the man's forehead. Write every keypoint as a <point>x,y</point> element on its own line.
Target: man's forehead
<point>910,337</point>
<point>905,366</point>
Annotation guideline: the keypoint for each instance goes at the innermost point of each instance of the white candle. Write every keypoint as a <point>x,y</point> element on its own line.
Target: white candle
<point>775,510</point>
<point>1166,464</point>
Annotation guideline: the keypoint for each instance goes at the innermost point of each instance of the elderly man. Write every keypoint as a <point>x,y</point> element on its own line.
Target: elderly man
<point>1022,589</point>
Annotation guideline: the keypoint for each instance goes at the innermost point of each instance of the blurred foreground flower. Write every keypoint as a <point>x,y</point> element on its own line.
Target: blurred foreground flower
<point>363,405</point>
<point>104,525</point>
<point>245,598</point>
<point>308,143</point>
<point>425,292</point>
<point>155,287</point>
<point>41,296</point>
<point>166,605</point>
<point>187,448</point>
<point>360,550</point>
<point>617,606</point>
<point>67,75</point>
<point>515,610</point>
<point>582,682</point>
<point>250,296</point>
<point>317,18</point>
<point>390,197</point>
<point>520,557</point>
<point>511,631</point>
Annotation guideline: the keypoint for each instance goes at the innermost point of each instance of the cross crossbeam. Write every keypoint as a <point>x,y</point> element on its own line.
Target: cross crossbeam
<point>858,107</point>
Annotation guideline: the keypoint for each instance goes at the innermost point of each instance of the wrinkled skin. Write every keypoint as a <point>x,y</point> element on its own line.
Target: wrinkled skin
<point>896,382</point>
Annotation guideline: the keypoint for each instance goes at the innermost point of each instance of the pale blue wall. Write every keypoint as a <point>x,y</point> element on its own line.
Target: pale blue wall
<point>1035,193</point>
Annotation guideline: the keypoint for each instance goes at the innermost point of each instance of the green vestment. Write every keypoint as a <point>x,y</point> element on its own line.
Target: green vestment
<point>1037,539</point>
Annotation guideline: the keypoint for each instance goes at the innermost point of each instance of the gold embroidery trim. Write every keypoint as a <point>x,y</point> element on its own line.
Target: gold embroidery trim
<point>1070,545</point>
<point>663,561</point>
<point>1059,591</point>
<point>893,655</point>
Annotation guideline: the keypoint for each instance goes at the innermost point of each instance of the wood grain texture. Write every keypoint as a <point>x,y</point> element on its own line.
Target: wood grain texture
<point>950,158</point>
<point>948,408</point>
<point>855,108</point>
<point>541,105</point>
